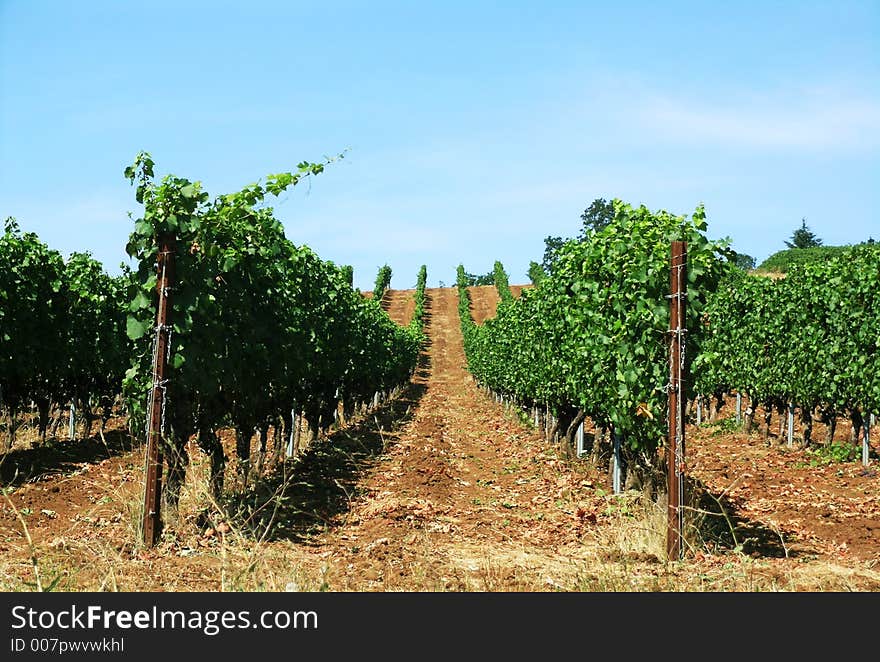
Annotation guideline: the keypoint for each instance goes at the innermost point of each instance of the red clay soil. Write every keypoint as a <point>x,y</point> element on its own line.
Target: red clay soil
<point>516,290</point>
<point>441,488</point>
<point>400,305</point>
<point>461,485</point>
<point>820,508</point>
<point>812,504</point>
<point>484,300</point>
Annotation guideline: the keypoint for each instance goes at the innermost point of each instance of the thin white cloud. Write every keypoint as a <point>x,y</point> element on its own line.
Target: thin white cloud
<point>817,121</point>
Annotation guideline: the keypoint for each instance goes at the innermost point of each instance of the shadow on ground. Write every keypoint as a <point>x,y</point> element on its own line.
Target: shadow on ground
<point>56,456</point>
<point>304,496</point>
<point>720,525</point>
<point>712,520</point>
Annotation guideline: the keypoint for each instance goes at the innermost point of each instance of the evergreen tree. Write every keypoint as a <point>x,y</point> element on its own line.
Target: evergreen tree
<point>803,237</point>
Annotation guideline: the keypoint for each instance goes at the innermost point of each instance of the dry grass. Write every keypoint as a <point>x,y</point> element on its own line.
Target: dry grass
<point>626,552</point>
<point>773,275</point>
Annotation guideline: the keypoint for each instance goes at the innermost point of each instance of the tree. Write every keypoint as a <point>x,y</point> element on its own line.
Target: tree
<point>803,237</point>
<point>348,274</point>
<point>536,272</point>
<point>476,279</point>
<point>597,216</point>
<point>743,261</point>
<point>551,246</point>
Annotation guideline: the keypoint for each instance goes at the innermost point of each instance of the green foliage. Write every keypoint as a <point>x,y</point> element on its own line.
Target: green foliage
<point>744,262</point>
<point>499,276</point>
<point>833,453</point>
<point>723,425</point>
<point>592,335</point>
<point>477,279</point>
<point>536,273</point>
<point>33,322</point>
<point>61,326</point>
<point>383,281</point>
<point>464,304</point>
<point>803,237</point>
<point>784,260</point>
<point>596,217</point>
<point>552,245</point>
<point>96,322</point>
<point>258,323</point>
<point>348,274</point>
<point>810,338</point>
<point>417,324</point>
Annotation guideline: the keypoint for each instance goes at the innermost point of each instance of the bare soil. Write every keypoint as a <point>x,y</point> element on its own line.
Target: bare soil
<point>442,489</point>
<point>485,298</point>
<point>400,305</point>
<point>484,301</point>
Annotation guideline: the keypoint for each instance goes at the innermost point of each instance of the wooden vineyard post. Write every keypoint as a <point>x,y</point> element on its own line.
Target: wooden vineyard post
<point>739,407</point>
<point>790,424</point>
<point>152,523</point>
<point>866,439</point>
<point>675,445</point>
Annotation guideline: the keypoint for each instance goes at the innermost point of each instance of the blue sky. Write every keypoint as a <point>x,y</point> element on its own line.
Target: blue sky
<point>473,129</point>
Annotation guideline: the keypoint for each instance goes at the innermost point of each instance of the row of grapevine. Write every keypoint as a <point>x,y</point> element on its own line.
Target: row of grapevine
<point>810,339</point>
<point>62,332</point>
<point>383,282</point>
<point>261,328</point>
<point>591,339</point>
<point>417,324</point>
<point>502,283</point>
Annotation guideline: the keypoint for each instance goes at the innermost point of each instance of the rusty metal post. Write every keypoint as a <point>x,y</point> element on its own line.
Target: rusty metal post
<point>675,445</point>
<point>152,522</point>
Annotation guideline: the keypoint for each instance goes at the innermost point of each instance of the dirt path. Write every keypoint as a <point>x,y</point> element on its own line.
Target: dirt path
<point>459,501</point>
<point>441,488</point>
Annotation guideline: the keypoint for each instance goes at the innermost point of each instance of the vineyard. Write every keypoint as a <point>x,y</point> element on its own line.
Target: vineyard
<point>263,425</point>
